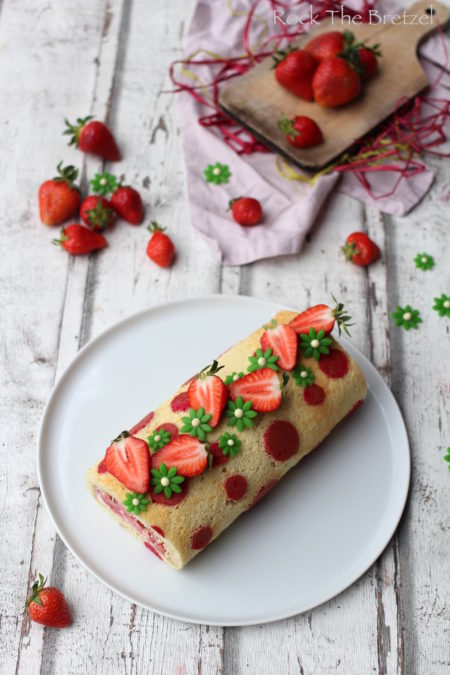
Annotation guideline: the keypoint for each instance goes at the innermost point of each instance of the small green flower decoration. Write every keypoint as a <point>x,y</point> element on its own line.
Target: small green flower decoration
<point>135,502</point>
<point>406,317</point>
<point>314,344</point>
<point>166,480</point>
<point>230,444</point>
<point>447,458</point>
<point>442,305</point>
<point>424,261</point>
<point>103,183</point>
<point>233,378</point>
<point>197,423</point>
<point>217,173</point>
<point>303,376</point>
<point>263,360</point>
<point>158,439</point>
<point>240,414</point>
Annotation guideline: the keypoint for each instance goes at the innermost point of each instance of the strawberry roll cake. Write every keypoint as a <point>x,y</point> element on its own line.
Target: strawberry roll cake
<point>185,472</point>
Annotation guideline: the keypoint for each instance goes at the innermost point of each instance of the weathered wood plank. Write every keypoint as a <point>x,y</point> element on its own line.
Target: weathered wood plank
<point>420,385</point>
<point>38,92</point>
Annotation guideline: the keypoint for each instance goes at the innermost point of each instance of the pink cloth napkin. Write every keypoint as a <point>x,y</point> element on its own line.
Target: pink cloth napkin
<point>290,207</point>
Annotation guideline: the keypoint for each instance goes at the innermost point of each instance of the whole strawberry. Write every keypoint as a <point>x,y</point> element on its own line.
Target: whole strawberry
<point>301,131</point>
<point>59,198</point>
<point>246,211</point>
<point>127,203</point>
<point>326,46</point>
<point>79,240</point>
<point>360,249</point>
<point>93,137</point>
<point>368,60</point>
<point>160,248</point>
<point>125,200</point>
<point>47,605</point>
<point>97,212</point>
<point>335,83</point>
<point>294,70</point>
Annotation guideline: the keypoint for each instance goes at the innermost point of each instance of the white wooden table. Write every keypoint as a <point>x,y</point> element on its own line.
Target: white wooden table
<point>110,58</point>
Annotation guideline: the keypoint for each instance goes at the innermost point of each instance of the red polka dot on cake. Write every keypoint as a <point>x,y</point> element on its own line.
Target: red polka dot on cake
<point>235,486</point>
<point>218,458</point>
<point>334,364</point>
<point>357,405</point>
<point>201,537</point>
<point>281,440</point>
<point>142,423</point>
<point>169,501</point>
<point>180,403</point>
<point>172,429</point>
<point>313,394</point>
<point>263,491</point>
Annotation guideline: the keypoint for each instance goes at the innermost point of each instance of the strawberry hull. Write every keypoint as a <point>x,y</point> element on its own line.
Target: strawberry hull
<point>289,422</point>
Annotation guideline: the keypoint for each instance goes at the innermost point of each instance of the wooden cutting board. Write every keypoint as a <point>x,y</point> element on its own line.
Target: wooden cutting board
<point>257,101</point>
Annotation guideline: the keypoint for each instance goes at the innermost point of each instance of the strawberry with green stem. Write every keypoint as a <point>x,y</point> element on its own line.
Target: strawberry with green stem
<point>360,249</point>
<point>160,248</point>
<point>125,200</point>
<point>209,392</point>
<point>294,69</point>
<point>300,131</point>
<point>47,605</point>
<point>79,240</point>
<point>93,137</point>
<point>59,198</point>
<point>322,317</point>
<point>97,212</point>
<point>282,340</point>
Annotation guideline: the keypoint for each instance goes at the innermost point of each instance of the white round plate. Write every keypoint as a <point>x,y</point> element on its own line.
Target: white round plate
<point>314,535</point>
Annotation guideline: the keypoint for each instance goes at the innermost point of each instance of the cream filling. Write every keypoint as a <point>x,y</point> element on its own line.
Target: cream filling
<point>152,539</point>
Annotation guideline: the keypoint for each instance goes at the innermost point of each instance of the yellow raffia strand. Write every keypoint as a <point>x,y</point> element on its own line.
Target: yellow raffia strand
<point>213,55</point>
<point>191,75</point>
<point>291,174</point>
<point>244,12</point>
<point>372,157</point>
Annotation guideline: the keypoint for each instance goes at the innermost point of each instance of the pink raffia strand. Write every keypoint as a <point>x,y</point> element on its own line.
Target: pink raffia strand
<point>395,148</point>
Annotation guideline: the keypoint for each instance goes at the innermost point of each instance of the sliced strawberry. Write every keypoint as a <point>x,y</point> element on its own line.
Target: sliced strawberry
<point>101,468</point>
<point>283,341</point>
<point>321,317</point>
<point>262,387</point>
<point>209,392</point>
<point>185,452</point>
<point>128,460</point>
